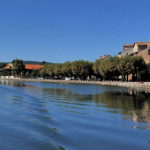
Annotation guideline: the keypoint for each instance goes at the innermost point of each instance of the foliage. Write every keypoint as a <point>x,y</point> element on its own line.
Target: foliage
<point>109,69</point>
<point>2,65</point>
<point>67,69</point>
<point>114,68</point>
<point>18,67</point>
<point>81,69</point>
<point>47,70</point>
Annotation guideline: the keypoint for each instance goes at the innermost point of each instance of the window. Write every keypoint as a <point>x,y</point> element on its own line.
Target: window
<point>141,47</point>
<point>148,51</point>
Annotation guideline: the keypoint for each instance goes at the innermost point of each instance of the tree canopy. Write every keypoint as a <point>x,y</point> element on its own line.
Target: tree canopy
<point>113,68</point>
<point>18,67</point>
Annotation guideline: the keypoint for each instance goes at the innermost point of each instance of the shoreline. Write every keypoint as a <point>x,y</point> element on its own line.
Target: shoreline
<point>133,85</point>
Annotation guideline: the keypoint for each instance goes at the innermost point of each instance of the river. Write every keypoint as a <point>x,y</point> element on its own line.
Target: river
<point>51,116</point>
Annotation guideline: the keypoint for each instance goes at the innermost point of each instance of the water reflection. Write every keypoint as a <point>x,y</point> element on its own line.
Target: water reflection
<point>133,105</point>
<point>54,116</point>
<point>14,83</point>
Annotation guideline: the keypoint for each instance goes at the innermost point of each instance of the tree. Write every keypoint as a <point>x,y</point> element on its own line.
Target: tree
<point>47,71</point>
<point>138,67</point>
<point>66,69</point>
<point>82,69</point>
<point>125,67</point>
<point>43,63</point>
<point>131,65</point>
<point>2,65</point>
<point>34,73</point>
<point>108,69</point>
<point>18,67</point>
<point>58,70</point>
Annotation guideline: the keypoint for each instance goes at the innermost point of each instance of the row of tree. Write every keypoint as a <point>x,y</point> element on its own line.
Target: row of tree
<point>123,68</point>
<point>75,70</point>
<point>113,68</point>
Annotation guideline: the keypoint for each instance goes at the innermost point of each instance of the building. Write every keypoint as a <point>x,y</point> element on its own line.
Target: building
<point>104,57</point>
<point>137,49</point>
<point>127,50</point>
<point>33,67</point>
<point>28,67</point>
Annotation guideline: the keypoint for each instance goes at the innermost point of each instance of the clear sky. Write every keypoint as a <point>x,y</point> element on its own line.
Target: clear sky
<point>66,30</point>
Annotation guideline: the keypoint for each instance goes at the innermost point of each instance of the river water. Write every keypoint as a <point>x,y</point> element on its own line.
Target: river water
<point>48,116</point>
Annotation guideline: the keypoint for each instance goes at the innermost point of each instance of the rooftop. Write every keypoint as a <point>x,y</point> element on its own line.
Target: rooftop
<point>142,43</point>
<point>128,45</point>
<point>27,66</point>
<point>104,57</point>
<point>33,67</point>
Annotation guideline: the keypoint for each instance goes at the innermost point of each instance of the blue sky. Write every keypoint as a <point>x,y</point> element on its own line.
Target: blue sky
<point>66,30</point>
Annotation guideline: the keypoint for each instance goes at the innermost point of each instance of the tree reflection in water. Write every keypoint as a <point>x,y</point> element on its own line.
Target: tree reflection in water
<point>133,105</point>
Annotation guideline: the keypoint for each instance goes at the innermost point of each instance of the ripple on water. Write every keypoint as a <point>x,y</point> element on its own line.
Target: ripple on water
<point>38,116</point>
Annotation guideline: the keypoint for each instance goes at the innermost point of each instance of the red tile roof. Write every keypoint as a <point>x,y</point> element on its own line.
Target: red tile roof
<point>33,67</point>
<point>27,66</point>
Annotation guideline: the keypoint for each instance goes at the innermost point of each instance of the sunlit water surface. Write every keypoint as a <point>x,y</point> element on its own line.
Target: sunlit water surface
<point>45,116</point>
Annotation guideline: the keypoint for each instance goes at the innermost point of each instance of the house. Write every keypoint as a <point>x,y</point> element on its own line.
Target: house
<point>8,66</point>
<point>104,57</point>
<point>33,67</point>
<point>28,67</point>
<point>137,49</point>
<point>127,50</point>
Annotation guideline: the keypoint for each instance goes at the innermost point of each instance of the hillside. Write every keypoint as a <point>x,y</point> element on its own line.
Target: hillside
<point>35,62</point>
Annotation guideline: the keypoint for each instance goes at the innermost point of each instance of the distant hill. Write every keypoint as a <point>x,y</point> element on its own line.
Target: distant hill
<point>35,62</point>
<point>28,62</point>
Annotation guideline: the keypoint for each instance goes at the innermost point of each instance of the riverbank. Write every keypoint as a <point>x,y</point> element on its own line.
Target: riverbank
<point>133,85</point>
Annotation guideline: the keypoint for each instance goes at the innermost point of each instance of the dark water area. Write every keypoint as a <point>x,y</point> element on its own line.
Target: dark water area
<point>46,116</point>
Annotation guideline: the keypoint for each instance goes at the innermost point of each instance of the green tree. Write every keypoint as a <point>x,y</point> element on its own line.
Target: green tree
<point>43,63</point>
<point>58,70</point>
<point>34,73</point>
<point>97,69</point>
<point>18,67</point>
<point>2,65</point>
<point>139,67</point>
<point>47,71</point>
<point>66,69</point>
<point>108,68</point>
<point>82,69</point>
<point>131,65</point>
<point>125,67</point>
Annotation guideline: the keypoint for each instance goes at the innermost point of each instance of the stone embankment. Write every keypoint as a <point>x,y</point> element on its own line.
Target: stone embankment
<point>134,85</point>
